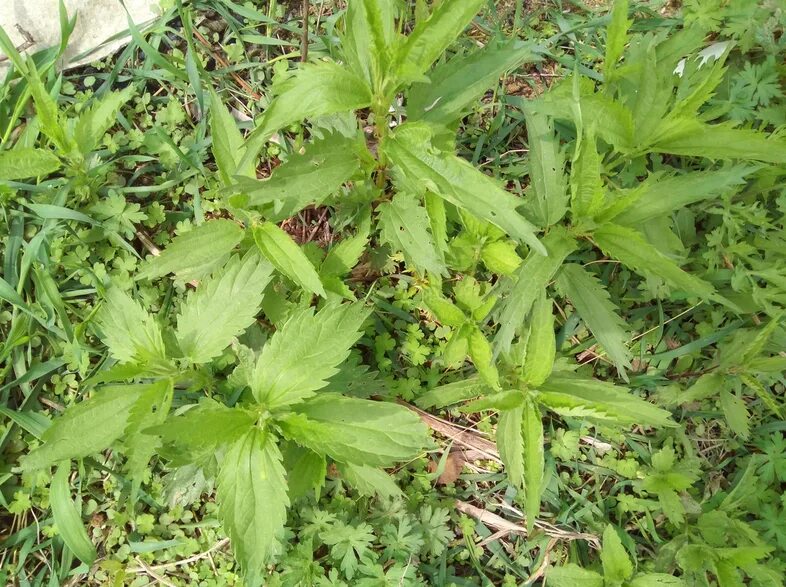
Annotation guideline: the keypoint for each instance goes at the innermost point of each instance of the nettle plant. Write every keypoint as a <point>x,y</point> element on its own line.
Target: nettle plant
<point>268,438</point>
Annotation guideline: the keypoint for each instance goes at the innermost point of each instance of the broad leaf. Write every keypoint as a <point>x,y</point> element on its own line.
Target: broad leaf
<point>420,166</point>
<point>659,580</point>
<point>68,516</point>
<point>572,576</point>
<point>299,359</point>
<point>286,256</point>
<point>87,427</point>
<point>370,481</point>
<point>452,393</point>
<point>534,464</point>
<point>252,500</point>
<point>569,395</point>
<point>46,110</point>
<point>227,142</point>
<point>616,36</point>
<point>24,162</point>
<point>404,224</point>
<point>356,431</point>
<point>370,32</point>
<point>502,400</point>
<point>617,566</point>
<point>306,470</point>
<point>93,122</point>
<point>541,343</point>
<point>132,335</point>
<point>510,443</point>
<point>482,357</point>
<point>629,247</point>
<point>586,184</point>
<point>736,413</point>
<point>596,309</point>
<point>196,253</point>
<point>531,279</point>
<point>546,170</point>
<point>222,307</point>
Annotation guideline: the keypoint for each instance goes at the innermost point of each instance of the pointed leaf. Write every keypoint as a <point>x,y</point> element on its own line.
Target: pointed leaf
<point>226,142</point>
<point>546,171</point>
<point>24,162</point>
<point>534,463</point>
<point>284,253</point>
<point>68,516</point>
<point>617,566</point>
<point>370,481</point>
<point>132,335</point>
<point>482,358</point>
<point>573,575</point>
<point>94,121</point>
<point>368,40</point>
<point>586,184</point>
<point>452,393</point>
<point>616,36</point>
<point>510,443</point>
<point>541,344</point>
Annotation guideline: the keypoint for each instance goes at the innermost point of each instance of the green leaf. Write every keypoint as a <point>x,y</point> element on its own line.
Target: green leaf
<point>370,481</point>
<point>306,470</point>
<point>764,393</point>
<point>307,177</point>
<point>482,358</point>
<point>617,566</point>
<point>68,517</point>
<point>502,400</point>
<point>594,306</point>
<point>252,500</point>
<point>736,413</point>
<point>24,162</point>
<point>510,443</point>
<point>404,225</point>
<point>227,142</point>
<point>443,309</point>
<point>438,221</point>
<point>196,253</point>
<point>756,346</point>
<point>629,247</point>
<point>541,343</point>
<point>286,256</point>
<point>568,394</point>
<point>300,357</point>
<point>656,580</point>
<point>93,122</point>
<point>222,307</point>
<point>87,427</point>
<point>46,110</point>
<point>534,463</point>
<point>453,87</point>
<point>132,335</point>
<point>432,36</point>
<point>500,257</point>
<point>572,576</point>
<point>531,279</point>
<point>587,193</point>
<point>546,170</point>
<point>690,137</point>
<point>452,393</point>
<point>370,31</point>
<point>421,166</point>
<point>357,431</point>
<point>616,37</point>
<point>317,89</point>
<point>657,196</point>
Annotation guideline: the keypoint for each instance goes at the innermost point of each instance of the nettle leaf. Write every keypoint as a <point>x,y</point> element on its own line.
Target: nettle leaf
<point>404,225</point>
<point>452,393</point>
<point>532,277</point>
<point>222,307</point>
<point>87,427</point>
<point>690,137</point>
<point>736,413</point>
<point>68,516</point>
<point>419,165</point>
<point>432,36</point>
<point>285,254</point>
<point>443,309</point>
<point>24,162</point>
<point>252,500</point>
<point>541,342</point>
<point>307,177</point>
<point>502,400</point>
<point>343,257</point>
<point>534,460</point>
<point>594,306</point>
<point>356,431</point>
<point>132,335</point>
<point>454,86</point>
<point>227,142</point>
<point>546,170</point>
<point>657,196</point>
<point>299,358</point>
<point>196,253</point>
<point>629,247</point>
<point>480,352</point>
<point>572,575</point>
<point>306,470</point>
<point>370,32</point>
<point>46,110</point>
<point>93,122</point>
<point>510,443</point>
<point>370,481</point>
<point>617,566</point>
<point>616,37</point>
<point>587,193</point>
<point>599,400</point>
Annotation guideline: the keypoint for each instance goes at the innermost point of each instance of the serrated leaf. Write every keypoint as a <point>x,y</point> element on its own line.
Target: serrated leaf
<point>341,258</point>
<point>432,36</point>
<point>306,470</point>
<point>68,516</point>
<point>765,395</point>
<point>24,162</point>
<point>46,110</point>
<point>482,357</point>
<point>541,343</point>
<point>132,335</point>
<point>87,427</point>
<point>572,575</point>
<point>629,247</point>
<point>443,309</point>
<point>617,566</point>
<point>546,170</point>
<point>501,400</point>
<point>736,413</point>
<point>94,121</point>
<point>252,500</point>
<point>616,37</point>
<point>656,580</point>
<point>196,253</point>
<point>563,392</point>
<point>404,225</point>
<point>224,305</point>
<point>226,142</point>
<point>510,443</point>
<point>300,357</point>
<point>534,463</point>
<point>586,184</point>
<point>500,257</point>
<point>286,256</point>
<point>756,346</point>
<point>370,33</point>
<point>370,481</point>
<point>454,86</point>
<point>421,166</point>
<point>357,431</point>
<point>531,278</point>
<point>452,393</point>
<point>307,177</point>
<point>594,306</point>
